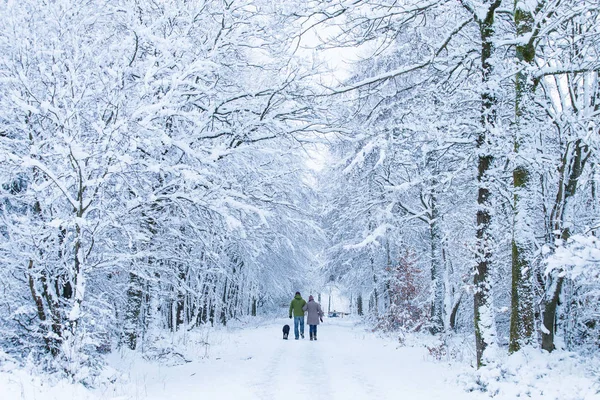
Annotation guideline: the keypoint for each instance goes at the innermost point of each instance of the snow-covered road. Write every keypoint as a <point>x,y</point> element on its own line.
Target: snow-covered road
<point>345,363</point>
<point>253,362</point>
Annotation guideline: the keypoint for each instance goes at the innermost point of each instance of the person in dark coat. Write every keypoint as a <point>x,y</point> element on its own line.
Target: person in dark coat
<point>296,307</point>
<point>314,315</point>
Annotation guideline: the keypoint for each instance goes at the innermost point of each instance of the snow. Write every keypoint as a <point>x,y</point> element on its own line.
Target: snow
<point>532,373</point>
<point>349,361</point>
<point>75,313</point>
<point>371,238</point>
<point>581,254</point>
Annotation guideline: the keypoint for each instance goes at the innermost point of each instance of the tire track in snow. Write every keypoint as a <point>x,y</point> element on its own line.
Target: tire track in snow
<point>268,383</point>
<point>283,375</point>
<point>359,374</point>
<point>347,364</point>
<point>294,370</point>
<point>316,373</point>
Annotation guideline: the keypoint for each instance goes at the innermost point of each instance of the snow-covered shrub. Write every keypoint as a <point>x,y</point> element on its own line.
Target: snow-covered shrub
<point>407,310</point>
<point>578,261</point>
<point>534,373</point>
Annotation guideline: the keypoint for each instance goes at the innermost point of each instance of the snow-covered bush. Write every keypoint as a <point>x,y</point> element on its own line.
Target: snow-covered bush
<point>407,292</point>
<point>578,261</point>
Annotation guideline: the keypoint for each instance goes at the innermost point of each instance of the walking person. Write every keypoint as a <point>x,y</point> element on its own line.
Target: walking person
<point>296,308</point>
<point>314,315</point>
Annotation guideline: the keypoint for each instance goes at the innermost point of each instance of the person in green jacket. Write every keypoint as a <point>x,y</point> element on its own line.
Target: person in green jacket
<point>296,308</point>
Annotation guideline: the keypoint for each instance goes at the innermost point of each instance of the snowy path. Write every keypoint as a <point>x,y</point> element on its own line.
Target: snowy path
<point>345,363</point>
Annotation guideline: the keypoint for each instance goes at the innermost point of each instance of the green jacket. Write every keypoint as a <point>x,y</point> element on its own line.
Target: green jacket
<point>296,305</point>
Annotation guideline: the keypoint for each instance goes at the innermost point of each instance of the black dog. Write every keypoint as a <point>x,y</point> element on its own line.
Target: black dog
<point>286,331</point>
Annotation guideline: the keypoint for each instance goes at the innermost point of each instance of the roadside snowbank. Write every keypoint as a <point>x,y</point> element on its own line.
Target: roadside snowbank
<point>536,374</point>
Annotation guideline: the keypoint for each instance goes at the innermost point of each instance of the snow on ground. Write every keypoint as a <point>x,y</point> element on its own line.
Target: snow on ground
<point>533,374</point>
<point>347,362</point>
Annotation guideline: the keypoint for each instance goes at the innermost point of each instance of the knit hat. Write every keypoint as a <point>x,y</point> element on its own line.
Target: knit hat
<point>311,298</point>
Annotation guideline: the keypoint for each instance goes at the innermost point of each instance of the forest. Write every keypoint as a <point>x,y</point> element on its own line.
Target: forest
<point>176,163</point>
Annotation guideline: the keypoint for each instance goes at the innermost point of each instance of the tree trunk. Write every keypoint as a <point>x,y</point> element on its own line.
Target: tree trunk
<point>133,311</point>
<point>51,309</point>
<point>573,163</point>
<point>549,316</point>
<point>374,298</point>
<point>224,316</point>
<point>454,313</point>
<point>437,269</point>
<point>483,303</point>
<point>521,318</point>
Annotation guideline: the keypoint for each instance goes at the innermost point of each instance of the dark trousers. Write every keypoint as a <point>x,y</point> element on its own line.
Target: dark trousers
<point>312,329</point>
